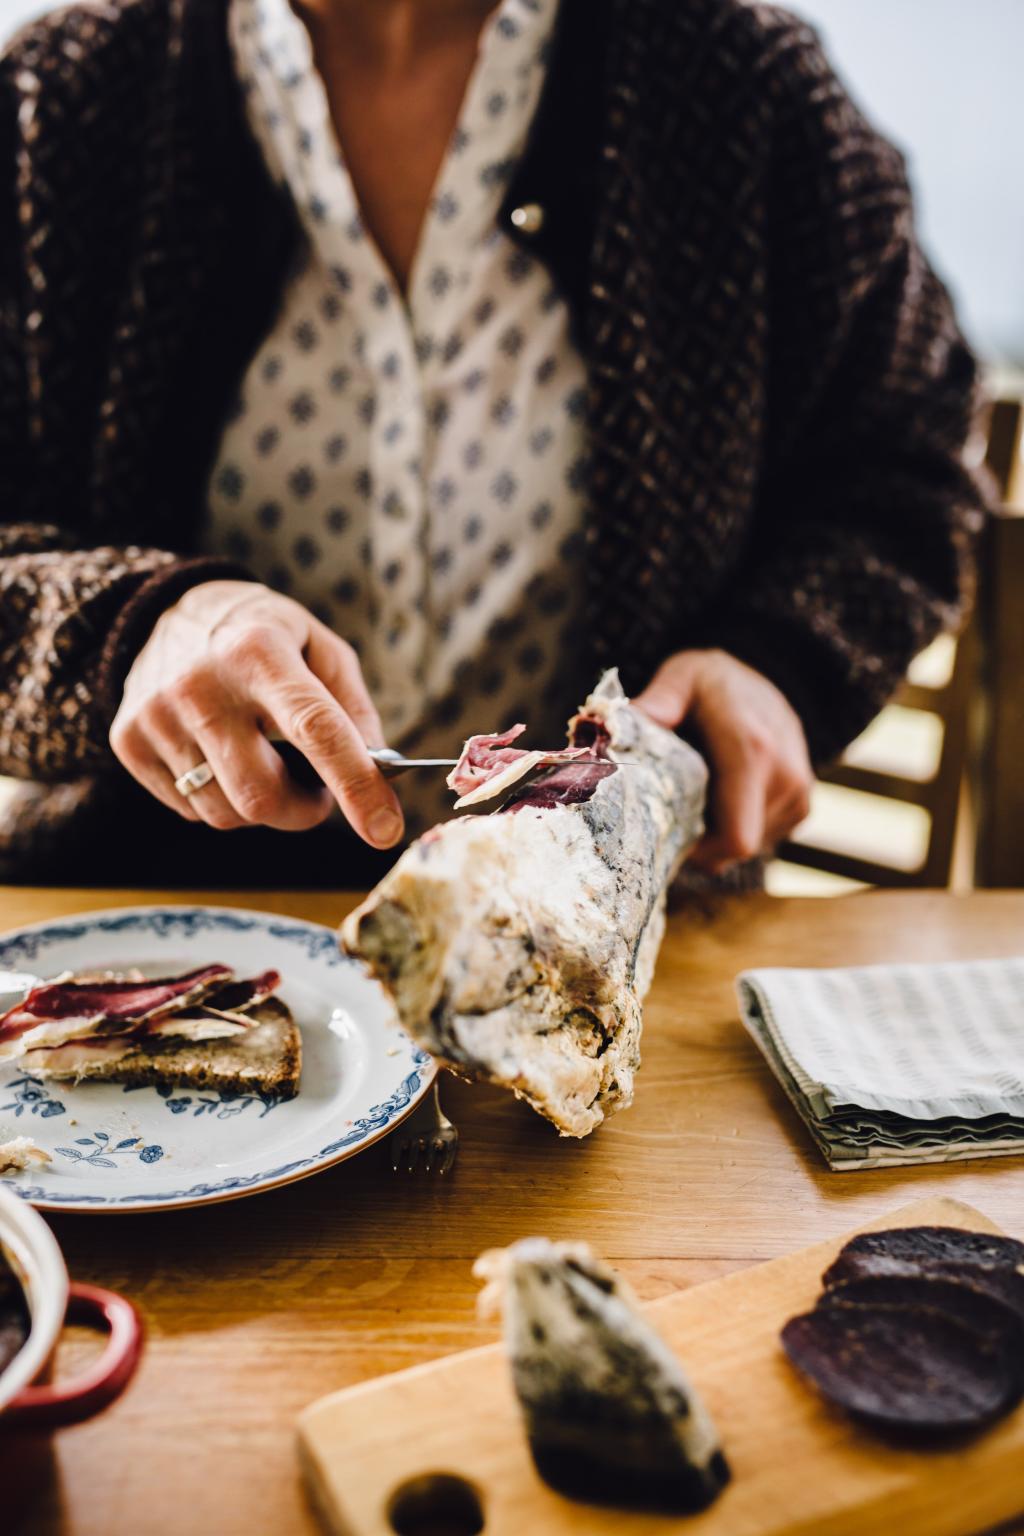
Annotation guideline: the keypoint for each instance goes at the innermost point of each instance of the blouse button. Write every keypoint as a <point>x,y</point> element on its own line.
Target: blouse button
<point>529,218</point>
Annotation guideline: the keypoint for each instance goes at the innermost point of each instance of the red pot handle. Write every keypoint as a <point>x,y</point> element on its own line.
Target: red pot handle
<point>51,1407</point>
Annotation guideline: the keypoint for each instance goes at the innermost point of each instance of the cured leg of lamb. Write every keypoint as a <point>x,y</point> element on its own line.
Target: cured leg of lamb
<point>518,945</point>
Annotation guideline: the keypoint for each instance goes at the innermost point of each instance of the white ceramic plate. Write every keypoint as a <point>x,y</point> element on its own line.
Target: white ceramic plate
<point>132,1149</point>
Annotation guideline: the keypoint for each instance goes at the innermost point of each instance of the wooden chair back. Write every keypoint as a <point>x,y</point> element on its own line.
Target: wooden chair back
<point>981,709</point>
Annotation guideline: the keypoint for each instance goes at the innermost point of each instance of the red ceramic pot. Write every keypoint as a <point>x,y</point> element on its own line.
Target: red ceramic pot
<point>32,1405</point>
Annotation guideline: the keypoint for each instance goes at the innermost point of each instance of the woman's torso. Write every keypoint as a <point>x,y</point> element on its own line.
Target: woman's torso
<point>413,466</point>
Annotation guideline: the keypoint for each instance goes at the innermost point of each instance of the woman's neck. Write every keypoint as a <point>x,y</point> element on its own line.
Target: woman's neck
<point>395,72</point>
<point>391,33</point>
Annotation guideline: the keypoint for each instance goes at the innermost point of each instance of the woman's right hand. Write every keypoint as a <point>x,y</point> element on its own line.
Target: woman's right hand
<point>230,664</point>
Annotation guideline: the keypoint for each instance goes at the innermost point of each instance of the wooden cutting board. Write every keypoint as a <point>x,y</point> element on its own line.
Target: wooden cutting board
<point>799,1468</point>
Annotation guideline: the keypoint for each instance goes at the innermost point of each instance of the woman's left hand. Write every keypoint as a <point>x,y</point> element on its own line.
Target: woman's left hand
<point>761,773</point>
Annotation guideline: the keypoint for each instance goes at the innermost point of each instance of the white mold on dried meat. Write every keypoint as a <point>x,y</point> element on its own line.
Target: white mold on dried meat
<point>518,946</point>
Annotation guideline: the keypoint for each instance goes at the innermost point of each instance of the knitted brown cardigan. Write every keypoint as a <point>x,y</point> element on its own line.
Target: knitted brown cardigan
<point>779,395</point>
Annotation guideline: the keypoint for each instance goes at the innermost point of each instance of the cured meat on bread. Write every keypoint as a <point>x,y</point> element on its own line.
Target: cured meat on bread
<point>206,1029</point>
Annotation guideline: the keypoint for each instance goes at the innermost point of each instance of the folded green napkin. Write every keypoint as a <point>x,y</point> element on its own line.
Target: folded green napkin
<point>890,1064</point>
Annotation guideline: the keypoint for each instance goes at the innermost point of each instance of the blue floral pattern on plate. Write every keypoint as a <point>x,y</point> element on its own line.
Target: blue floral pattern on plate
<point>359,1079</point>
<point>31,1096</point>
<point>103,1151</point>
<point>223,1104</point>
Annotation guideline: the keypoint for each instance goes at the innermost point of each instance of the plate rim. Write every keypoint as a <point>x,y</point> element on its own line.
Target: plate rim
<point>425,1068</point>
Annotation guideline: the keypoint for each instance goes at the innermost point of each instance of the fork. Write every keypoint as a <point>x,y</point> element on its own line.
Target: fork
<point>428,1133</point>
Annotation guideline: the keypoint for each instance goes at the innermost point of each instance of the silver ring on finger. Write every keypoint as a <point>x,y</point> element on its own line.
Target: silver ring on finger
<point>196,778</point>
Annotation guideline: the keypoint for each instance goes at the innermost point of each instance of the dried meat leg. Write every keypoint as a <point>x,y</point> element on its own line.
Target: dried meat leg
<point>518,946</point>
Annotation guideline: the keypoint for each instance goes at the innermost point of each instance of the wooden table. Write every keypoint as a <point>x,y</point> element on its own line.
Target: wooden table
<point>256,1307</point>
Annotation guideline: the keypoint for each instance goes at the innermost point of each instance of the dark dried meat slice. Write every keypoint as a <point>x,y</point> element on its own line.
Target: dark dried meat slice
<point>1003,1283</point>
<point>880,1253</point>
<point>967,1302</point>
<point>915,1371</point>
<point>984,1261</point>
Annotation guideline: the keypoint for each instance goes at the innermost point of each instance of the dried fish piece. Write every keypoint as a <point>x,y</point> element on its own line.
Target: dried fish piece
<point>610,1414</point>
<point>902,1369</point>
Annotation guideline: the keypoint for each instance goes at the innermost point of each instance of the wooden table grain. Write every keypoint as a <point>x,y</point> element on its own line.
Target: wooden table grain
<point>256,1307</point>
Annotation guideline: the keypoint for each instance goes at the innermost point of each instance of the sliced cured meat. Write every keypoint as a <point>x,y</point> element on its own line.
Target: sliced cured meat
<point>195,1024</point>
<point>903,1369</point>
<point>969,1303</point>
<point>59,1011</point>
<point>610,1414</point>
<point>235,998</point>
<point>880,1253</point>
<point>987,1262</point>
<point>107,999</point>
<point>235,995</point>
<point>490,765</point>
<point>208,1004</point>
<point>482,756</point>
<point>567,784</point>
<point>518,946</point>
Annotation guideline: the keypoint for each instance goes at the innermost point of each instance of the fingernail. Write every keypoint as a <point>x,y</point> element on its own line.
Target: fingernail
<point>385,827</point>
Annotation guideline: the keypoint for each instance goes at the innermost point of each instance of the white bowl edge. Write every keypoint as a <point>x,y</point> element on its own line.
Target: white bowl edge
<point>32,1245</point>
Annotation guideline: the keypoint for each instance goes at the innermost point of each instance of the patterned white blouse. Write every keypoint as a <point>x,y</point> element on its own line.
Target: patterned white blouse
<point>413,468</point>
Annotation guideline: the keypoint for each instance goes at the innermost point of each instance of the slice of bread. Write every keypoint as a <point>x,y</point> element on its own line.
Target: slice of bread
<point>266,1059</point>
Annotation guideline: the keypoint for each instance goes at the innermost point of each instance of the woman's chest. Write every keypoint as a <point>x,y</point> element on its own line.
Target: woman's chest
<point>394,130</point>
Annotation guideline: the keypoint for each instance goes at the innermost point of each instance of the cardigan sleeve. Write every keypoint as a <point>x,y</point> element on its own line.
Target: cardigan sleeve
<point>71,622</point>
<point>862,550</point>
<point>71,617</point>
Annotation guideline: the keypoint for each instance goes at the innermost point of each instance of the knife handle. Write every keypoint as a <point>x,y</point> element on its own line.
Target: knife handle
<point>299,767</point>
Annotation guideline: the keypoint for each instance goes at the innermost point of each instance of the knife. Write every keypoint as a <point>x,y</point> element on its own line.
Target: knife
<point>391,763</point>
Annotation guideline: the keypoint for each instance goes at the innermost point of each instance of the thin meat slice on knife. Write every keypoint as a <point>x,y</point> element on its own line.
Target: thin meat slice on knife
<point>490,765</point>
<point>518,945</point>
